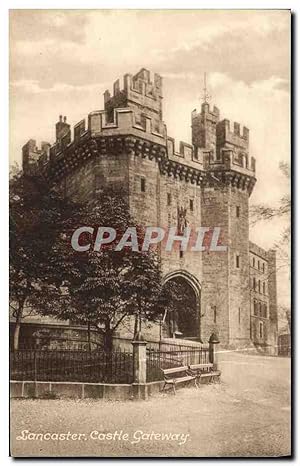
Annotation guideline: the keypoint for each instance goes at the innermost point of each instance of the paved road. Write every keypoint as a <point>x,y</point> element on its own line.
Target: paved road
<point>248,414</point>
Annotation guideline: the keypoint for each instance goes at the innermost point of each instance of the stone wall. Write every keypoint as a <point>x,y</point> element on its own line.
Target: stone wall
<point>238,276</point>
<point>214,290</point>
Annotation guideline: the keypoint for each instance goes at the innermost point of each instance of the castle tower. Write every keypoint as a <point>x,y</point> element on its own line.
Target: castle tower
<point>225,204</point>
<point>204,127</point>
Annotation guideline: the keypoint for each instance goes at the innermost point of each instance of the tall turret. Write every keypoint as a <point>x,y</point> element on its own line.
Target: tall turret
<point>230,178</point>
<point>204,127</point>
<point>139,93</point>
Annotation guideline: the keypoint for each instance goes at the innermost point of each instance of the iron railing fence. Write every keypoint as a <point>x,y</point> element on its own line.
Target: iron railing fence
<point>157,360</point>
<point>168,346</point>
<point>72,366</point>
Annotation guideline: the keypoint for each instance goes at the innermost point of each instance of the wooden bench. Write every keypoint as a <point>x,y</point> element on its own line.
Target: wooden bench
<point>201,371</point>
<point>177,375</point>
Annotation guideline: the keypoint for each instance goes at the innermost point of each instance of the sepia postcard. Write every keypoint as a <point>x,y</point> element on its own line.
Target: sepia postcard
<point>150,233</point>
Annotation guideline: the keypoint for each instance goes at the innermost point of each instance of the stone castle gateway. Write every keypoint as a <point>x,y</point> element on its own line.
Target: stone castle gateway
<point>206,183</point>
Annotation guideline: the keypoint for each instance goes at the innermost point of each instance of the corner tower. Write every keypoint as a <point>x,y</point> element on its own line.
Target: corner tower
<point>225,191</point>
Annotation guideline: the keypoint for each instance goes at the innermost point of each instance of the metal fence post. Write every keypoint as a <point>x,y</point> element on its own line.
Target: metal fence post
<point>35,373</point>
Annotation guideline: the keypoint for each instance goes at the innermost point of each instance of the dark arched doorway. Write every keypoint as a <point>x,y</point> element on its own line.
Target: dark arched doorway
<point>182,316</point>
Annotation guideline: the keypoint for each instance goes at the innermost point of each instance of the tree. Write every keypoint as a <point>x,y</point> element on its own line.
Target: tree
<point>102,288</point>
<point>36,216</point>
<point>262,212</point>
<point>116,288</point>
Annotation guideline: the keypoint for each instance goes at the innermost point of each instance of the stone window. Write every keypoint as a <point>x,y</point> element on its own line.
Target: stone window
<point>264,288</point>
<point>143,185</point>
<point>263,267</point>
<point>191,205</point>
<point>255,308</point>
<point>180,254</point>
<point>169,199</point>
<point>155,125</point>
<point>239,315</point>
<point>254,283</point>
<point>215,314</point>
<point>138,118</point>
<point>238,211</point>
<point>240,159</point>
<point>259,290</point>
<point>253,262</point>
<point>258,265</point>
<point>237,261</point>
<point>261,329</point>
<point>265,310</point>
<point>259,309</point>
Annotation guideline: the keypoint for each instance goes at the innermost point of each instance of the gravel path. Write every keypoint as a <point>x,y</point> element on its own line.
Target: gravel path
<point>248,414</point>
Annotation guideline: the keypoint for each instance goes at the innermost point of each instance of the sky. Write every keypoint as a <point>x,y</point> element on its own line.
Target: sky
<point>62,61</point>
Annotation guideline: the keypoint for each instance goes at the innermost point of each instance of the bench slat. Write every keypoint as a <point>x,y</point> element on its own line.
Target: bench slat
<point>183,379</point>
<point>180,379</point>
<point>209,374</point>
<point>173,370</point>
<point>200,366</point>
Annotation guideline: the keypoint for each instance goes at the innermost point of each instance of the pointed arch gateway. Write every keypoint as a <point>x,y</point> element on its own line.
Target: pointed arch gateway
<point>184,321</point>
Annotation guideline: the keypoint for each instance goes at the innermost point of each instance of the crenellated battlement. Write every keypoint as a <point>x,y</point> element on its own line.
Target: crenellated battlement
<point>187,155</point>
<point>139,83</point>
<point>210,133</point>
<point>139,92</point>
<point>125,121</point>
<point>32,155</point>
<point>134,113</point>
<point>225,144</point>
<point>228,159</point>
<point>79,130</point>
<point>228,134</point>
<point>212,113</point>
